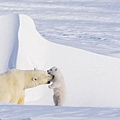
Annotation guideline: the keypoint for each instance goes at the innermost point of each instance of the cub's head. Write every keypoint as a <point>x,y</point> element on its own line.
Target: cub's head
<point>53,71</point>
<point>57,75</point>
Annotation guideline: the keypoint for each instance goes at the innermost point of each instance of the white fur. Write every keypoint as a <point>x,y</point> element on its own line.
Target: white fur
<point>14,82</point>
<point>58,86</point>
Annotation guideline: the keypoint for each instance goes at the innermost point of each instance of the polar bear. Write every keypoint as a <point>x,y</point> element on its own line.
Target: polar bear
<point>14,82</point>
<point>58,86</point>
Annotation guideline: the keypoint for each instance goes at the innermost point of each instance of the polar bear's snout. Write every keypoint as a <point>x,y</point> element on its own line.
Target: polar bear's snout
<point>50,80</point>
<point>52,77</point>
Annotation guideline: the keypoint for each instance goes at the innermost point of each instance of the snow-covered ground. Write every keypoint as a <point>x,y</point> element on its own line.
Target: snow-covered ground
<point>93,25</point>
<point>92,80</point>
<point>18,112</point>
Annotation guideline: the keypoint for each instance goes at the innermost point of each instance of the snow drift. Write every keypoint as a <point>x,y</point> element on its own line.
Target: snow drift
<point>9,26</point>
<point>91,79</point>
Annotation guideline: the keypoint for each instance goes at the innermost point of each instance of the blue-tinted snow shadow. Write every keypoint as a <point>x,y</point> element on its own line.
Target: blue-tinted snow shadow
<point>13,57</point>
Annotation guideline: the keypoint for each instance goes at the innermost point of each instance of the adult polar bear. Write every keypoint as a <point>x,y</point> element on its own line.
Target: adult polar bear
<point>14,82</point>
<point>58,86</point>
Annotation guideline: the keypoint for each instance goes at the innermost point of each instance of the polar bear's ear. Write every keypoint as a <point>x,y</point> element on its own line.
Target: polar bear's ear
<point>35,68</point>
<point>34,78</point>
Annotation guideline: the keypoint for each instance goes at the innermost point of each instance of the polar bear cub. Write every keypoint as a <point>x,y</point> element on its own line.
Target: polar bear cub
<point>58,86</point>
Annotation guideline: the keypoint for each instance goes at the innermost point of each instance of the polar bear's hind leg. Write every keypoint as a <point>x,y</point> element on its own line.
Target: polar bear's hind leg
<point>21,100</point>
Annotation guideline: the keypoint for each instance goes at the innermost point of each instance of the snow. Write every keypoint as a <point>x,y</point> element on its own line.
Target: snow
<point>91,25</point>
<point>9,41</point>
<point>57,113</point>
<point>92,80</point>
<point>94,77</point>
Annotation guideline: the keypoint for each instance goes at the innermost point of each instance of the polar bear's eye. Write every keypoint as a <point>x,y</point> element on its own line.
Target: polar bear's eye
<point>34,78</point>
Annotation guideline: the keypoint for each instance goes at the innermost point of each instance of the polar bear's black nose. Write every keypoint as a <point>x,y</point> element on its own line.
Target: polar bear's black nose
<point>48,82</point>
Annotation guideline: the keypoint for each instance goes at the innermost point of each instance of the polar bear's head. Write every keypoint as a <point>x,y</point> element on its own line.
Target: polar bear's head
<point>37,77</point>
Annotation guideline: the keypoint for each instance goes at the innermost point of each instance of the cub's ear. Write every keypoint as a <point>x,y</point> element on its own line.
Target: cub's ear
<point>34,78</point>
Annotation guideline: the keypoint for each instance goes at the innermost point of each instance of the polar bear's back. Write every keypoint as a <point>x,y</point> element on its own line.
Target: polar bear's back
<point>7,76</point>
<point>10,78</point>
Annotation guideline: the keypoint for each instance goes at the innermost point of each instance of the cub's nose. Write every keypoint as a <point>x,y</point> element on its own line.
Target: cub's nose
<point>48,71</point>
